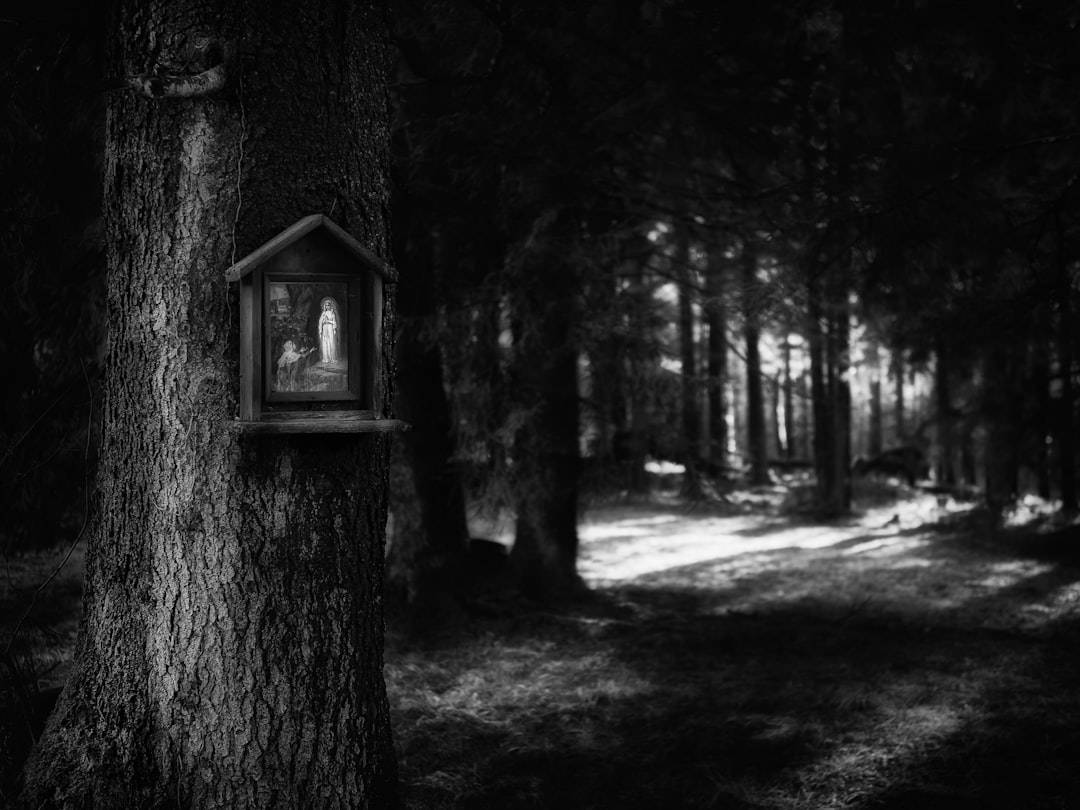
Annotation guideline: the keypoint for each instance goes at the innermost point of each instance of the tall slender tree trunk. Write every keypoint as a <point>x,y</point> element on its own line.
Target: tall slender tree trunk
<point>777,400</point>
<point>1066,433</point>
<point>1000,418</point>
<point>831,394</point>
<point>944,414</point>
<point>819,395</point>
<point>791,433</point>
<point>230,649</point>
<point>691,414</point>
<point>898,395</point>
<point>636,391</point>
<point>716,365</point>
<point>875,438</point>
<point>805,420</point>
<point>755,396</point>
<point>487,359</point>
<point>840,393</point>
<point>1038,407</point>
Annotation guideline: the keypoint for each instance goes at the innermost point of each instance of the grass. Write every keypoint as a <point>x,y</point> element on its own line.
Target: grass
<point>907,658</point>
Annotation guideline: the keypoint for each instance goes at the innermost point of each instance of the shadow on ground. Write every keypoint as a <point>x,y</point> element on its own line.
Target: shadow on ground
<point>823,681</point>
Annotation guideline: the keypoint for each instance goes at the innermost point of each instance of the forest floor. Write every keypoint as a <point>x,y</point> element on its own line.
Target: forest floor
<point>729,654</point>
<point>739,655</point>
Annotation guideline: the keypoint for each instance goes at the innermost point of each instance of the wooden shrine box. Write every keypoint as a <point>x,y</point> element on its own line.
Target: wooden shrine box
<point>311,303</point>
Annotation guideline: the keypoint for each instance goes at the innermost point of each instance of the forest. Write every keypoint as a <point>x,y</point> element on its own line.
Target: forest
<point>666,278</point>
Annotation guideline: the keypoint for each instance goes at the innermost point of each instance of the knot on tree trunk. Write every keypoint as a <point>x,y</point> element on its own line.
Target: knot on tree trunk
<point>206,82</point>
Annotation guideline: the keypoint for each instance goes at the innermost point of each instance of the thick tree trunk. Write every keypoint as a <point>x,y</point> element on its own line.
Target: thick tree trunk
<point>431,534</point>
<point>546,453</point>
<point>756,436</point>
<point>716,364</point>
<point>231,644</point>
<point>430,561</point>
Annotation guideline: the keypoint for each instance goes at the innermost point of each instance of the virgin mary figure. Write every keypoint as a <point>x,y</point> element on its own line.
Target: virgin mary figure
<point>329,332</point>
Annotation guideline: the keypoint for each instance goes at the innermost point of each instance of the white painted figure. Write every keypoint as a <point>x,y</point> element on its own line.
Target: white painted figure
<point>329,337</point>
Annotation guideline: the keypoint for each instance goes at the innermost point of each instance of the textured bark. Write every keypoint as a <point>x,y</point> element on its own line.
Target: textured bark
<point>230,649</point>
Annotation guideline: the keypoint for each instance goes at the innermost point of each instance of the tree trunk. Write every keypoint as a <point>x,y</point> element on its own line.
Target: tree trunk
<point>756,436</point>
<point>230,649</point>
<point>1000,420</point>
<point>944,415</point>
<point>546,453</point>
<point>791,437</point>
<point>716,321</point>
<point>839,500</point>
<point>691,414</point>
<point>434,563</point>
<point>819,396</point>
<point>898,401</point>
<point>1066,433</point>
<point>805,421</point>
<point>637,389</point>
<point>431,533</point>
<point>777,400</point>
<point>831,395</point>
<point>1038,418</point>
<point>875,438</point>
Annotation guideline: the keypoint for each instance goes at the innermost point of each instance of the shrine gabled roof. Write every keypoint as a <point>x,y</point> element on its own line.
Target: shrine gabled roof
<point>295,233</point>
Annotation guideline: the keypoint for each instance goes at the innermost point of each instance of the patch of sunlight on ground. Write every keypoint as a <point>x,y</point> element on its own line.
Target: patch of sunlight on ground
<point>888,546</point>
<point>1009,573</point>
<point>664,468</point>
<point>1030,508</point>
<point>678,543</point>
